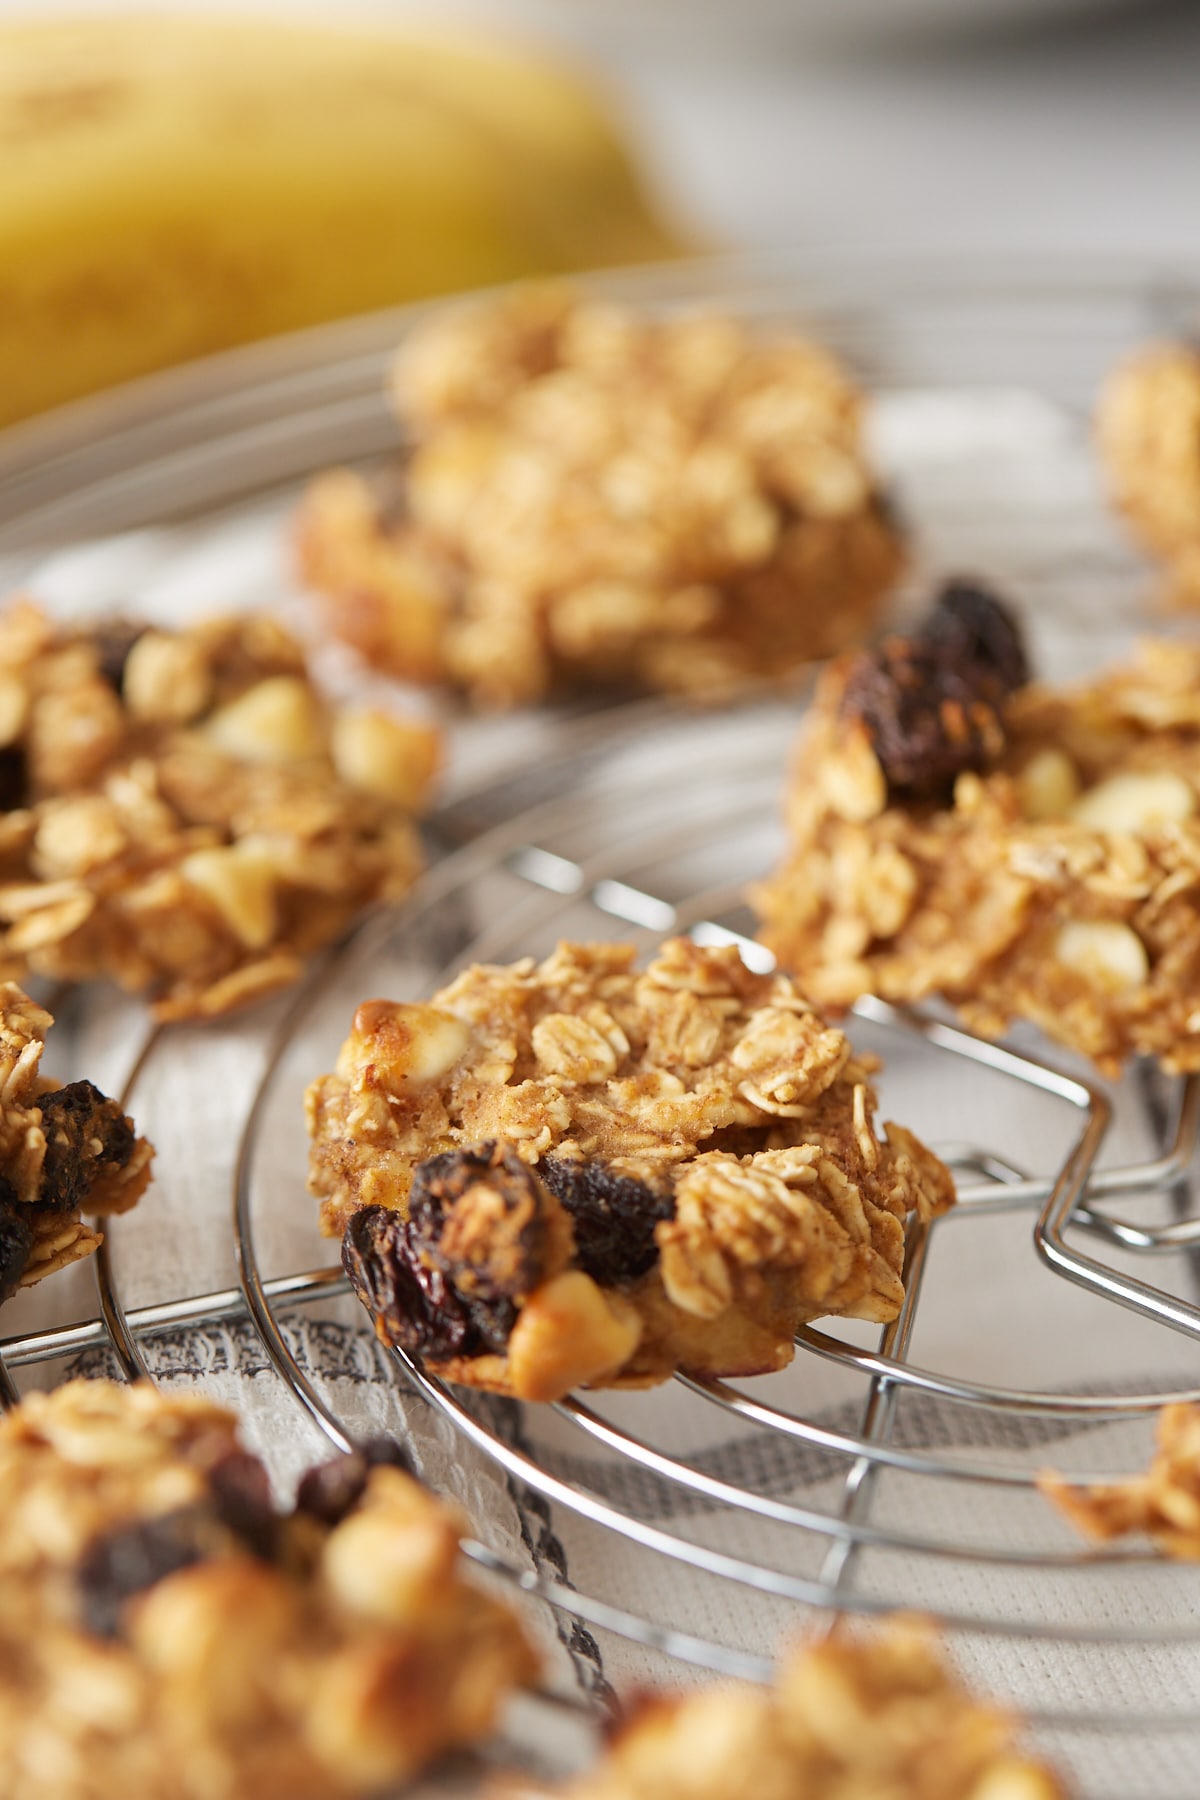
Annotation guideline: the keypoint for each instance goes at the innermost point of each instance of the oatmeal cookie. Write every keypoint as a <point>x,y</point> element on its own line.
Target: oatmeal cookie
<point>64,1151</point>
<point>595,497</point>
<point>576,1172</point>
<point>183,813</point>
<point>1148,428</point>
<point>1024,851</point>
<point>167,1634</point>
<point>1164,1503</point>
<point>850,1718</point>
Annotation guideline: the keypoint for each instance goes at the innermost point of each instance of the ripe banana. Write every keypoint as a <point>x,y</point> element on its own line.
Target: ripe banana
<point>174,185</point>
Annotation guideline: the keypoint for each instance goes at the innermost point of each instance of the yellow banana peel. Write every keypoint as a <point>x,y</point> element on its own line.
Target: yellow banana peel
<point>174,185</point>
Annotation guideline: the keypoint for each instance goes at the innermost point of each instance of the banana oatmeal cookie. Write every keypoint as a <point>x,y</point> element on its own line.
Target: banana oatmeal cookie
<point>1148,428</point>
<point>593,497</point>
<point>1164,1503</point>
<point>851,1718</point>
<point>183,813</point>
<point>64,1151</point>
<point>1024,851</point>
<point>576,1172</point>
<point>166,1634</point>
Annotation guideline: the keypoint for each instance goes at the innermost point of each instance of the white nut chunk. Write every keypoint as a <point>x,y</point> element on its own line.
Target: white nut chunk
<point>401,1043</point>
<point>166,679</point>
<point>853,782</point>
<point>1135,802</point>
<point>1048,785</point>
<point>568,1333</point>
<point>391,758</point>
<point>1104,951</point>
<point>276,721</point>
<point>239,881</point>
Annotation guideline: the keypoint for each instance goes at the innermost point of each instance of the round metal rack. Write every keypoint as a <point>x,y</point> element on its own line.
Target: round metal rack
<point>1047,1318</point>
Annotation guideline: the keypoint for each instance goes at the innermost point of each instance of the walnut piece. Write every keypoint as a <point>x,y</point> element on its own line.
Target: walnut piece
<point>167,1634</point>
<point>597,497</point>
<point>184,813</point>
<point>1059,883</point>
<point>576,1171</point>
<point>848,1717</point>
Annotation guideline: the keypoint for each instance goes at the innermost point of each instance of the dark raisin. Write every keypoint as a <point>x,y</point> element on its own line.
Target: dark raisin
<point>128,1561</point>
<point>112,640</point>
<point>330,1490</point>
<point>931,701</point>
<point>14,783</point>
<point>241,1494</point>
<point>972,629</point>
<point>415,1306</point>
<point>16,1241</point>
<point>85,1133</point>
<point>477,1215</point>
<point>614,1218</point>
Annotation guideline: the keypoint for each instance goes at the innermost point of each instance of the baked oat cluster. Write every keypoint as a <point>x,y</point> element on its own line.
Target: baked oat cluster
<point>1148,427</point>
<point>577,1172</point>
<point>1024,851</point>
<point>879,1718</point>
<point>64,1151</point>
<point>595,497</point>
<point>183,813</point>
<point>1164,1503</point>
<point>166,1634</point>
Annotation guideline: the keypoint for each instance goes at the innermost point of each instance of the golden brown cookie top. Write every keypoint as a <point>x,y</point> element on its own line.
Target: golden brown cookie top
<point>1036,857</point>
<point>598,496</point>
<point>183,811</point>
<point>586,1057</point>
<point>163,1624</point>
<point>579,1170</point>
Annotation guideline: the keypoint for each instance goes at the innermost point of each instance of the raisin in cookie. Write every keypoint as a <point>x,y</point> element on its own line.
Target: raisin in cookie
<point>575,1171</point>
<point>64,1151</point>
<point>1164,1503</point>
<point>165,1633</point>
<point>1148,428</point>
<point>1024,851</point>
<point>181,811</point>
<point>847,1719</point>
<point>594,497</point>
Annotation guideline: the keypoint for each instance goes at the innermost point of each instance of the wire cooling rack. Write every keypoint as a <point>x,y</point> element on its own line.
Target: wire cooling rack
<point>1047,1318</point>
<point>909,1484</point>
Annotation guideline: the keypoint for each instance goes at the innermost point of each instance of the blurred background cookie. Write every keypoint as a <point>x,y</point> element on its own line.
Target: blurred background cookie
<point>595,497</point>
